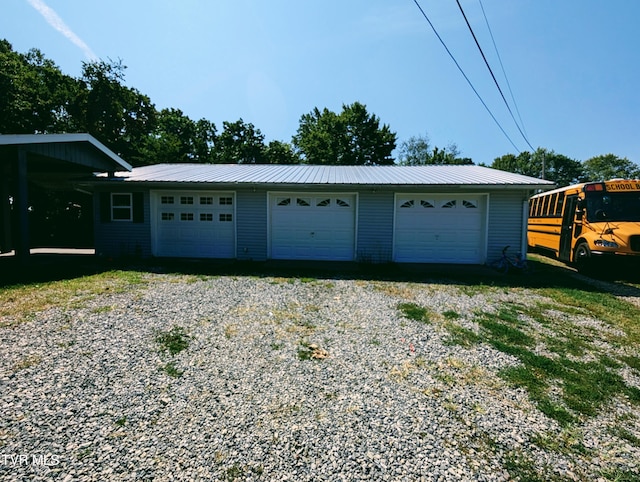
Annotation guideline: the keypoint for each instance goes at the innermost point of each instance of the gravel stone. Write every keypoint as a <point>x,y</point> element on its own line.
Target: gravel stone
<point>86,390</point>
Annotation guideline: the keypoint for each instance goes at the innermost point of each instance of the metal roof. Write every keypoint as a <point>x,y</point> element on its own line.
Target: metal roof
<point>271,174</point>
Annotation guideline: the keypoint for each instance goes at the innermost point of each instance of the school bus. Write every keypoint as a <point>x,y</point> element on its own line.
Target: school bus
<point>579,223</point>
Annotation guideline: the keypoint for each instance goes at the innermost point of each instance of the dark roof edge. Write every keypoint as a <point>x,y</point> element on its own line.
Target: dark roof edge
<point>24,139</point>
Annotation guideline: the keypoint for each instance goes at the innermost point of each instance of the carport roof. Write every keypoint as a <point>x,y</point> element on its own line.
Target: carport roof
<point>83,150</point>
<point>272,174</point>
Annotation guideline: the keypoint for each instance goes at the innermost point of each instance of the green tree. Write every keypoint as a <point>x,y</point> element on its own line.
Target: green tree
<point>416,151</point>
<point>240,143</point>
<point>353,137</point>
<point>523,163</point>
<point>449,155</point>
<point>204,141</point>
<point>177,138</point>
<point>610,166</point>
<point>278,152</point>
<point>319,137</point>
<point>120,117</point>
<point>559,168</point>
<point>542,164</point>
<point>35,93</point>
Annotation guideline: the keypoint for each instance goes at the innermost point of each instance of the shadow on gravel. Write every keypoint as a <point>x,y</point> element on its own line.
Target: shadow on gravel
<point>51,267</point>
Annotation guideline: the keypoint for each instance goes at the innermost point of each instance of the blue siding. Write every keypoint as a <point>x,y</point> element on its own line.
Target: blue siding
<point>375,227</point>
<point>374,235</point>
<point>122,238</point>
<point>251,225</point>
<point>505,222</point>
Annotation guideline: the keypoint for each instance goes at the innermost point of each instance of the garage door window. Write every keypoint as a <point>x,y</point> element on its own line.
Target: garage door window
<point>407,204</point>
<point>206,200</point>
<point>324,203</point>
<point>167,216</point>
<point>449,204</point>
<point>283,201</point>
<point>186,216</point>
<point>427,204</point>
<point>303,202</point>
<point>166,200</point>
<point>186,200</point>
<point>342,203</point>
<point>469,204</point>
<point>226,201</point>
<point>226,218</point>
<point>206,217</point>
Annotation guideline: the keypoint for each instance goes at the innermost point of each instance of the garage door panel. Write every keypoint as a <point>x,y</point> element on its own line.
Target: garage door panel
<point>439,228</point>
<point>194,224</point>
<point>313,227</point>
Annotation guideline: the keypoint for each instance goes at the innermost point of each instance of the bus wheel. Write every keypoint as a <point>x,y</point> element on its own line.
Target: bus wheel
<point>582,256</point>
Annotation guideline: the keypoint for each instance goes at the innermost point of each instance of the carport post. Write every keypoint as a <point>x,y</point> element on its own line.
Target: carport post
<point>21,204</point>
<point>5,209</point>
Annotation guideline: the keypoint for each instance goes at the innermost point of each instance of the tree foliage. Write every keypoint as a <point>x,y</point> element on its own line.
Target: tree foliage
<point>36,97</point>
<point>417,151</point>
<point>118,116</point>
<point>35,94</point>
<point>240,143</point>
<point>610,166</point>
<point>543,164</point>
<point>353,137</point>
<point>177,138</point>
<point>278,152</point>
<point>561,169</point>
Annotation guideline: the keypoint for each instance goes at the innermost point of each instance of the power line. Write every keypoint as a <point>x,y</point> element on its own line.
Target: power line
<point>465,75</point>
<point>492,75</point>
<point>502,66</point>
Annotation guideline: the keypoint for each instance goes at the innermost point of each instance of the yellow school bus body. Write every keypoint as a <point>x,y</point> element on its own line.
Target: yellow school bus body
<point>588,220</point>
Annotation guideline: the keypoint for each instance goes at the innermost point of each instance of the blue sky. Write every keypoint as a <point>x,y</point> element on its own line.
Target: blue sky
<point>572,65</point>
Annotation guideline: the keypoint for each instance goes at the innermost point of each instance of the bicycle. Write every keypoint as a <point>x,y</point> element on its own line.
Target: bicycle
<point>506,262</point>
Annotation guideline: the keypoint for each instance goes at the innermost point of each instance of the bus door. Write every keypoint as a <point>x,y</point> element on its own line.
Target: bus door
<point>566,232</point>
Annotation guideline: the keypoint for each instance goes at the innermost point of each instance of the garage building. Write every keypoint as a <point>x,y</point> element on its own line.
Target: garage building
<point>404,214</point>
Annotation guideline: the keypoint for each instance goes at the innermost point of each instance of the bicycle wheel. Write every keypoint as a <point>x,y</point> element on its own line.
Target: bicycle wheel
<point>501,265</point>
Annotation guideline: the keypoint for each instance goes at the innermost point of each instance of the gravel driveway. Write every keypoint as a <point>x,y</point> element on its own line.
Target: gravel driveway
<point>282,379</point>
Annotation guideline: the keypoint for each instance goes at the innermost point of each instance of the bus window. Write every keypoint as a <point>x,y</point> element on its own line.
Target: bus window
<point>616,206</point>
<point>552,205</point>
<point>534,208</point>
<point>545,207</point>
<point>532,203</point>
<point>538,206</point>
<point>560,204</point>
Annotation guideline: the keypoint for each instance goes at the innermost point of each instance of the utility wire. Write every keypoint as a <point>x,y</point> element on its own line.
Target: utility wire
<point>493,76</point>
<point>502,67</point>
<point>465,75</point>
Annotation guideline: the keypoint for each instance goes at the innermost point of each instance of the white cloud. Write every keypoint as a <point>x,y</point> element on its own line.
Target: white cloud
<point>56,22</point>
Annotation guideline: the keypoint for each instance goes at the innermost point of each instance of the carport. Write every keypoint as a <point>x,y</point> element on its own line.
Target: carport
<point>50,160</point>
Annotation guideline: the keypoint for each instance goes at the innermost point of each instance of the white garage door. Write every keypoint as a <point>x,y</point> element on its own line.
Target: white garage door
<point>196,224</point>
<point>312,226</point>
<point>440,228</point>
